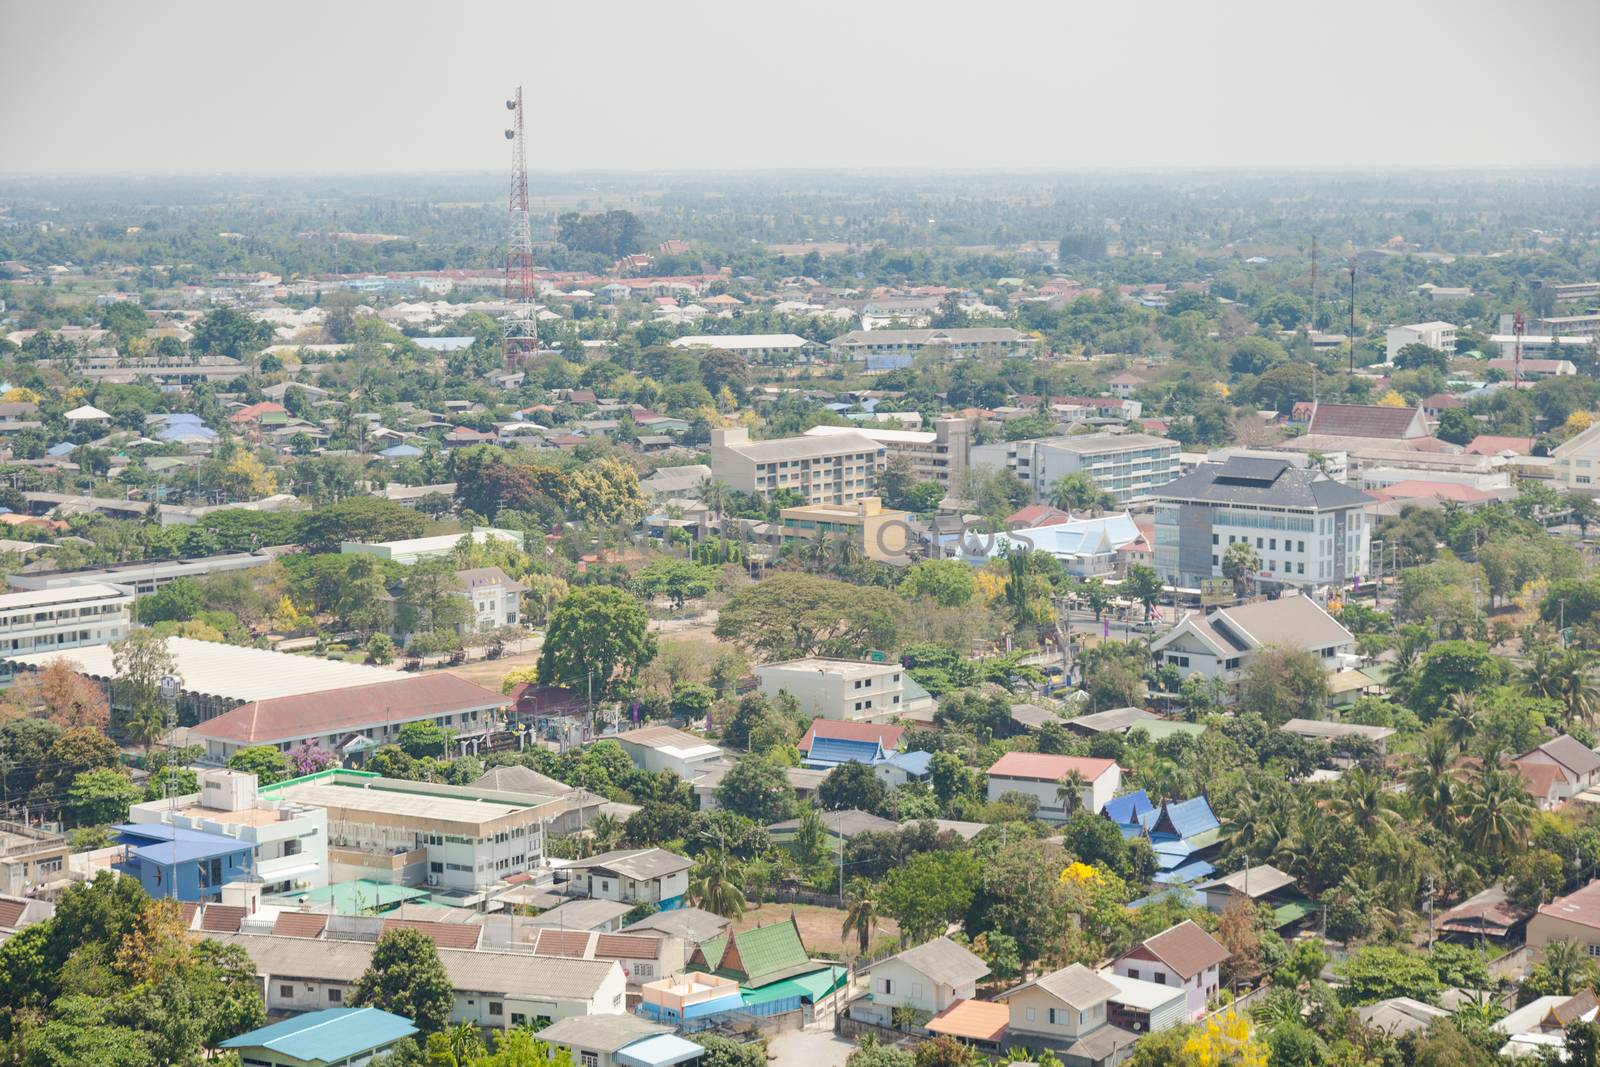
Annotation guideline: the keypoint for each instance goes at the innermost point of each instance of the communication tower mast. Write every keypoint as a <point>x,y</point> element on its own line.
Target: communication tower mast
<point>521,327</point>
<point>1519,325</point>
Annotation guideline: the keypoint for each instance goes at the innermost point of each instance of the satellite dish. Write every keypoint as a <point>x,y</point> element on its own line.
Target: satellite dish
<point>511,105</point>
<point>511,135</point>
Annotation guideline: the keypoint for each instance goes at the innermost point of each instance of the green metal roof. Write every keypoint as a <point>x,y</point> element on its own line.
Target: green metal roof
<point>767,950</point>
<point>1293,911</point>
<point>1168,727</point>
<point>812,987</point>
<point>360,897</point>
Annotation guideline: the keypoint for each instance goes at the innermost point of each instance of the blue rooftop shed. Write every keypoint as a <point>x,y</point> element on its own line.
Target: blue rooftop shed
<point>189,865</point>
<point>348,1037</point>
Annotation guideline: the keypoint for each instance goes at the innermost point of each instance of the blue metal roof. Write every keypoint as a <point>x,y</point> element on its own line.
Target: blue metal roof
<point>1188,819</point>
<point>1189,872</point>
<point>662,1050</point>
<point>162,844</point>
<point>329,1035</point>
<point>1182,894</point>
<point>1125,809</point>
<point>401,452</point>
<point>915,764</point>
<point>65,448</point>
<point>831,751</point>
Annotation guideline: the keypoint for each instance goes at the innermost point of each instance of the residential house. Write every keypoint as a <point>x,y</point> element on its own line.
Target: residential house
<point>839,827</point>
<point>1142,1006</point>
<point>1576,765</point>
<point>618,1041</point>
<point>1260,884</point>
<point>1181,834</point>
<point>1039,776</point>
<point>885,735</point>
<point>1487,913</point>
<point>1183,955</point>
<point>1218,645</point>
<point>643,957</point>
<point>845,689</point>
<point>922,981</point>
<point>1112,721</point>
<point>636,876</point>
<point>332,1037</point>
<point>1067,1011</point>
<point>665,748</point>
<point>1574,917</point>
<point>189,865</point>
<point>31,860</point>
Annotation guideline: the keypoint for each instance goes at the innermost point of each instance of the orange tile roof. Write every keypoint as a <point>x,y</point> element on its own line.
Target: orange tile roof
<point>222,918</point>
<point>973,1019</point>
<point>300,924</point>
<point>445,935</point>
<point>1049,768</point>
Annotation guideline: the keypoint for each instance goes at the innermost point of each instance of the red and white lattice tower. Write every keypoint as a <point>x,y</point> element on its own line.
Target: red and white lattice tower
<point>521,327</point>
<point>1519,326</point>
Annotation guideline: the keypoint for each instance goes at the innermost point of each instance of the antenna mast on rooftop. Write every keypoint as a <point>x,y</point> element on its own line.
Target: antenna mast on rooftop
<point>521,330</point>
<point>1519,325</point>
<point>1312,328</point>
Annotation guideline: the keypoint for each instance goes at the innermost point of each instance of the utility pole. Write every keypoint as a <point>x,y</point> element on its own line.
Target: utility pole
<point>1430,913</point>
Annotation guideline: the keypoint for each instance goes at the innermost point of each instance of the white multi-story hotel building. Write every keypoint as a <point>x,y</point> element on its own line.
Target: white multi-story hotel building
<point>1125,465</point>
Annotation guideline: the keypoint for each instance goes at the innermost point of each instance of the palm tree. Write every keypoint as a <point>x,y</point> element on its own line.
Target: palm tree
<point>1575,676</point>
<point>1432,781</point>
<point>1069,790</point>
<point>605,831</point>
<point>146,726</point>
<point>1364,804</point>
<point>1568,966</point>
<point>1463,721</point>
<point>1542,675</point>
<point>1499,813</point>
<point>463,1044</point>
<point>715,885</point>
<point>861,911</point>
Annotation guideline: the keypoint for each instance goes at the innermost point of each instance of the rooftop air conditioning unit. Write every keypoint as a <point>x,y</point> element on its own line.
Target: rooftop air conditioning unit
<point>433,879</point>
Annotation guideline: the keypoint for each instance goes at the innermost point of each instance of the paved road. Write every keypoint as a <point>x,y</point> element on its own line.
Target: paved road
<point>809,1048</point>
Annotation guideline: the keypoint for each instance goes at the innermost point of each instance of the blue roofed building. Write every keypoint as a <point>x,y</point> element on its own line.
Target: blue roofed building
<point>402,452</point>
<point>189,865</point>
<point>1181,834</point>
<point>1126,810</point>
<point>829,752</point>
<point>898,768</point>
<point>348,1037</point>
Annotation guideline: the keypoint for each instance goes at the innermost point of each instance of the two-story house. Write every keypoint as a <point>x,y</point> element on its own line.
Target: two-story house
<point>1568,764</point>
<point>1184,956</point>
<point>1068,1011</point>
<point>1218,645</point>
<point>496,598</point>
<point>1043,777</point>
<point>923,981</point>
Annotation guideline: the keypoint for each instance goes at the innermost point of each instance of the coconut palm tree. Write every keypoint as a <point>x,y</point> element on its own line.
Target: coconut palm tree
<point>463,1044</point>
<point>1575,675</point>
<point>861,912</point>
<point>1432,780</point>
<point>1363,803</point>
<point>1498,812</point>
<point>716,884</point>
<point>1461,723</point>
<point>1567,963</point>
<point>146,726</point>
<point>605,831</point>
<point>1069,790</point>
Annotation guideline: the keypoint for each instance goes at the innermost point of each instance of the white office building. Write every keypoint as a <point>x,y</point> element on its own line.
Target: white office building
<point>843,688</point>
<point>1125,465</point>
<point>46,620</point>
<point>1436,335</point>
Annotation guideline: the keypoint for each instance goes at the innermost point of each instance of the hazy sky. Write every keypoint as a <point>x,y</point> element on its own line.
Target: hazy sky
<point>350,85</point>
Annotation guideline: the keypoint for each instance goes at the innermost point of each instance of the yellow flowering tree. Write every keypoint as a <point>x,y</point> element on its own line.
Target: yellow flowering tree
<point>1226,1039</point>
<point>1578,422</point>
<point>1391,399</point>
<point>20,395</point>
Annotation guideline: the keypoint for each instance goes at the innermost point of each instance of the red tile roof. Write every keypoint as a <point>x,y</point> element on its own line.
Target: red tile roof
<point>255,411</point>
<point>1048,768</point>
<point>222,918</point>
<point>973,1019</point>
<point>11,912</point>
<point>627,947</point>
<point>1186,948</point>
<point>299,924</point>
<point>338,710</point>
<point>445,935</point>
<point>562,943</point>
<point>1036,515</point>
<point>1414,488</point>
<point>1581,906</point>
<point>886,735</point>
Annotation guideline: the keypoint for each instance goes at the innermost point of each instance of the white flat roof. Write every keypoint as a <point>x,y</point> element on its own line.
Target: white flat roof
<point>846,667</point>
<point>907,437</point>
<point>243,674</point>
<point>1137,993</point>
<point>62,595</point>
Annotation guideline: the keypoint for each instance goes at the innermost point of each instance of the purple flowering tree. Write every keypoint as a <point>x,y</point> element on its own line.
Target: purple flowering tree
<point>306,758</point>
